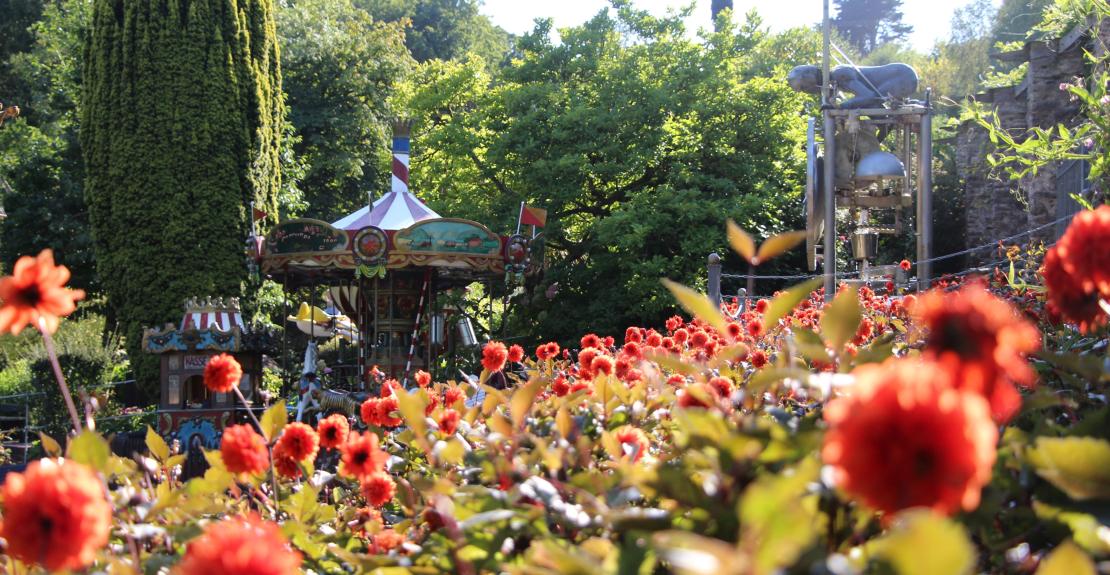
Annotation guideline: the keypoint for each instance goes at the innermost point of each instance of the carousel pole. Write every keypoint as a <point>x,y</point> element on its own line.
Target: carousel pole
<point>416,326</point>
<point>285,334</point>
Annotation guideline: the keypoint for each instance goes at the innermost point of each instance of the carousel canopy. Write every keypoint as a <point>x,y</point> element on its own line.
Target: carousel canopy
<point>393,211</point>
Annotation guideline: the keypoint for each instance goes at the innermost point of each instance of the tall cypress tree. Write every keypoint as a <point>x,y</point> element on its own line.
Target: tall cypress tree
<point>180,129</point>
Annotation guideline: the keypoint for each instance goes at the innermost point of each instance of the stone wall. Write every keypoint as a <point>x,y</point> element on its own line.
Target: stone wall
<point>996,206</point>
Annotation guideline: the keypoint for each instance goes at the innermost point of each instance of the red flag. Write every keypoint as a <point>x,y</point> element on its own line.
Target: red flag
<point>530,216</point>
<point>259,214</point>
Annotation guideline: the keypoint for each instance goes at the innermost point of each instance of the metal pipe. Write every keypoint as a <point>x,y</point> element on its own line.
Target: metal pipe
<point>925,198</point>
<point>827,96</point>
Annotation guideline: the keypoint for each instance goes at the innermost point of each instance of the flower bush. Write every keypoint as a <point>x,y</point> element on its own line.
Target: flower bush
<point>961,431</point>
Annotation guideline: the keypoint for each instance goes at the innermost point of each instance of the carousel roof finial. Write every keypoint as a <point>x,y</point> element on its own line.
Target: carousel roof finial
<point>399,208</point>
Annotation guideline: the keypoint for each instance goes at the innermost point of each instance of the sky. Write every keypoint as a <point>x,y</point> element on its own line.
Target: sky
<point>931,19</point>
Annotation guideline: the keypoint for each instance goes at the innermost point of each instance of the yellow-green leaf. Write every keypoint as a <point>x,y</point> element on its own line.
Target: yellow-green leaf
<point>274,420</point>
<point>778,245</point>
<point>563,422</point>
<point>411,405</point>
<point>778,512</point>
<point>1086,529</point>
<point>157,445</point>
<point>50,446</point>
<point>1078,466</point>
<point>741,241</point>
<point>522,401</point>
<point>692,554</point>
<point>698,305</point>
<point>841,319</point>
<point>1066,559</point>
<point>91,449</point>
<point>924,543</point>
<point>786,301</point>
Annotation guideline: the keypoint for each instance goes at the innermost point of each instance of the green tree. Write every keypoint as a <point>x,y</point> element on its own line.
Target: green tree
<point>443,29</point>
<point>640,143</point>
<point>339,67</point>
<point>867,24</point>
<point>41,169</point>
<point>181,121</point>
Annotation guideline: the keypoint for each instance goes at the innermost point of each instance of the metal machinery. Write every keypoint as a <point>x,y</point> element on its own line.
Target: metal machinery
<point>871,157</point>
<point>384,265</point>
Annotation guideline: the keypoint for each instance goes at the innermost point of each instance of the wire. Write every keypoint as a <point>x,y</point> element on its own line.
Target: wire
<point>992,244</point>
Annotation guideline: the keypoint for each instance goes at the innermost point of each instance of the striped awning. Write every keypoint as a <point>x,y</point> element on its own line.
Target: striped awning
<point>222,320</point>
<point>393,211</point>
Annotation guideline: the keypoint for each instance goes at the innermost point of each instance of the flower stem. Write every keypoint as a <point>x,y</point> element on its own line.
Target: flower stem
<point>49,342</point>
<point>269,449</point>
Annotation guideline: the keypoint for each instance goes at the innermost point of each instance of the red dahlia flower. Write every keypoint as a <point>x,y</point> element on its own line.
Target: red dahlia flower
<point>299,441</point>
<point>360,456</point>
<point>240,545</point>
<point>55,514</point>
<point>244,450</point>
<point>494,355</point>
<point>449,422</point>
<point>1077,270</point>
<point>378,488</point>
<point>333,431</point>
<point>222,373</point>
<point>634,438</point>
<point>516,353</point>
<point>423,378</point>
<point>982,341</point>
<point>907,438</point>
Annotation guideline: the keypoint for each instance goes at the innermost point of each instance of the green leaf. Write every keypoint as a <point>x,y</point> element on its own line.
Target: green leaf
<point>157,445</point>
<point>1078,466</point>
<point>274,420</point>
<point>924,543</point>
<point>779,516</point>
<point>786,301</point>
<point>841,318</point>
<point>91,449</point>
<point>778,245</point>
<point>741,242</point>
<point>697,304</point>
<point>1066,559</point>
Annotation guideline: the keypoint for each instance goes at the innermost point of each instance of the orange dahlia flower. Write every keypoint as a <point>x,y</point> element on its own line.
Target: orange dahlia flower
<point>299,441</point>
<point>55,514</point>
<point>423,378</point>
<point>449,422</point>
<point>241,546</point>
<point>333,431</point>
<point>386,408</point>
<point>982,341</point>
<point>222,373</point>
<point>285,464</point>
<point>907,438</point>
<point>1077,269</point>
<point>360,456</point>
<point>244,450</point>
<point>36,290</point>
<point>378,488</point>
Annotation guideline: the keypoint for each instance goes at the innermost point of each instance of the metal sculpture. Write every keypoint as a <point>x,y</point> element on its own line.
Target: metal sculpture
<point>872,158</point>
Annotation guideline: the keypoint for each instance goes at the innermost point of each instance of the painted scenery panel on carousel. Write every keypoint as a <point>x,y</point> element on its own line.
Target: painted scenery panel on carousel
<point>305,236</point>
<point>448,237</point>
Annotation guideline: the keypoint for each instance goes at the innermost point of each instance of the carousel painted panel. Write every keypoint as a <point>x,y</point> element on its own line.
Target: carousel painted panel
<point>305,236</point>
<point>448,236</point>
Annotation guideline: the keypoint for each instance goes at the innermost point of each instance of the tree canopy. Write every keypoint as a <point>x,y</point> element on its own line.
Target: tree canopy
<point>639,141</point>
<point>867,24</point>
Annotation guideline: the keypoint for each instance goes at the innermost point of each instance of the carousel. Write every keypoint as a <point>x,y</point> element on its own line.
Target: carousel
<point>375,277</point>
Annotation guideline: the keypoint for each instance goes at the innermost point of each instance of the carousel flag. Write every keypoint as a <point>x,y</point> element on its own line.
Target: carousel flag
<point>259,214</point>
<point>530,216</point>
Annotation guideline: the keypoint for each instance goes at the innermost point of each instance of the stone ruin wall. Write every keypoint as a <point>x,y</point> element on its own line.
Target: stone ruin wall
<point>996,206</point>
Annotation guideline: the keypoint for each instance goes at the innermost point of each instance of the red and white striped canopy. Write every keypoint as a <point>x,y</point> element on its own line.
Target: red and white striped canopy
<point>222,320</point>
